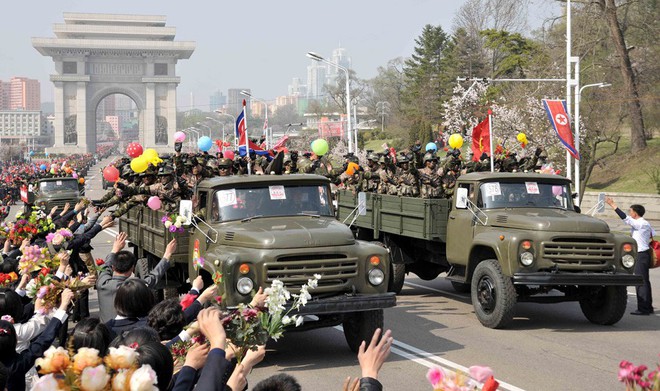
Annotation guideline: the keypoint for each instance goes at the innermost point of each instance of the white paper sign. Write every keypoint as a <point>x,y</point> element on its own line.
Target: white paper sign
<point>227,197</point>
<point>532,188</point>
<point>277,192</point>
<point>493,189</point>
<point>58,183</point>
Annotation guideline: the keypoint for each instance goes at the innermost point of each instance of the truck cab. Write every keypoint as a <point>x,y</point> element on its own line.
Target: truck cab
<point>50,192</point>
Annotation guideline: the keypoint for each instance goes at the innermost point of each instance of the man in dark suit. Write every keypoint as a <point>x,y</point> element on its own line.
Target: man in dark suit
<point>119,266</point>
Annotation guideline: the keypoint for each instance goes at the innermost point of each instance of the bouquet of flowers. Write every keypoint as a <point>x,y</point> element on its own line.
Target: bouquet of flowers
<point>5,227</point>
<point>633,376</point>
<point>48,290</point>
<point>33,259</point>
<point>40,220</point>
<point>479,378</point>
<point>180,349</point>
<point>22,229</point>
<point>247,328</point>
<point>60,236</point>
<point>87,371</point>
<point>6,279</point>
<point>173,222</point>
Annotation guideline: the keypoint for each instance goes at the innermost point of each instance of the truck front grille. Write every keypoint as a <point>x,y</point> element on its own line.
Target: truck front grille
<point>335,270</point>
<point>578,251</point>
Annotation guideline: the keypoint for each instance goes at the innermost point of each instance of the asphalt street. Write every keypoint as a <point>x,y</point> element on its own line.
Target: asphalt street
<point>546,347</point>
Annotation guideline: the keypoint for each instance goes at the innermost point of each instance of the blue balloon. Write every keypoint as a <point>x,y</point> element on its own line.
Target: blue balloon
<point>31,153</point>
<point>204,143</point>
<point>431,147</point>
<point>43,167</point>
<point>46,154</point>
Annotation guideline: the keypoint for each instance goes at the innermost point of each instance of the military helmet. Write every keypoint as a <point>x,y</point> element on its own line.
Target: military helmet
<point>429,157</point>
<point>402,159</point>
<point>373,157</point>
<point>150,171</point>
<point>382,160</point>
<point>212,163</point>
<point>165,170</point>
<point>225,162</point>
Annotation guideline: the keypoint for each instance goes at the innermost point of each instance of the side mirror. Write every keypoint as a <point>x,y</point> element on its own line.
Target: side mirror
<point>601,203</point>
<point>461,198</point>
<point>185,210</point>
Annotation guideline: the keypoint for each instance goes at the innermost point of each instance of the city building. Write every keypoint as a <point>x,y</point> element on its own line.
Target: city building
<point>338,57</point>
<point>235,100</point>
<point>24,94</point>
<point>296,88</point>
<point>22,127</point>
<point>113,120</point>
<point>316,74</point>
<point>4,95</point>
<point>217,101</point>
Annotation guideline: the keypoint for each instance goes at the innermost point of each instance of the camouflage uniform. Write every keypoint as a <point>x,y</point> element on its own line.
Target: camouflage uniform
<point>225,167</point>
<point>406,178</point>
<point>167,190</point>
<point>388,182</point>
<point>429,178</point>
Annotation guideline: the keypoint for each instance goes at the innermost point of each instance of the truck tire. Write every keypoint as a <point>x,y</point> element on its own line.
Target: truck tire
<point>605,305</point>
<point>397,276</point>
<point>360,326</point>
<point>493,295</point>
<point>142,267</point>
<point>460,287</point>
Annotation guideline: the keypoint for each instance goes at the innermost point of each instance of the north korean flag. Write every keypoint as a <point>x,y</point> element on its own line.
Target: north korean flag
<point>558,116</point>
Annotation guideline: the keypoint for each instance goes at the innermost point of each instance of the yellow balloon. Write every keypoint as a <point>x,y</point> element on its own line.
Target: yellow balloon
<point>522,138</point>
<point>139,164</point>
<point>150,154</point>
<point>455,141</point>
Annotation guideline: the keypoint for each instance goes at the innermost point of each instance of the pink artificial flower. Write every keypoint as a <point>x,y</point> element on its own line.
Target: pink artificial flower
<point>480,374</point>
<point>43,291</point>
<point>435,376</point>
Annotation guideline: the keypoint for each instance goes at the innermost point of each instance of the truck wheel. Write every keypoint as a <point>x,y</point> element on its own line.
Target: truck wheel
<point>493,295</point>
<point>397,276</point>
<point>142,267</point>
<point>605,305</point>
<point>460,287</point>
<point>360,326</point>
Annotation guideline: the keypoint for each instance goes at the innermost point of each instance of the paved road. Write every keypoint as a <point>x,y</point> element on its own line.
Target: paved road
<point>547,347</point>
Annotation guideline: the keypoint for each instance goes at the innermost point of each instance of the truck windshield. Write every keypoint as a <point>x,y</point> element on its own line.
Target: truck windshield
<point>524,195</point>
<point>63,185</point>
<point>270,201</point>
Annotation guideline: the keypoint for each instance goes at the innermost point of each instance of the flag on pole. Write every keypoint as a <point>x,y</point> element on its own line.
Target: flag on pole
<point>558,116</point>
<point>265,126</point>
<point>244,141</point>
<point>480,139</point>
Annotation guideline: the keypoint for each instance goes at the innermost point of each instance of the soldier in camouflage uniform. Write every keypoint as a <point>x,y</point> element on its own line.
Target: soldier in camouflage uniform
<point>371,176</point>
<point>406,178</point>
<point>136,193</point>
<point>225,167</point>
<point>194,172</point>
<point>388,181</point>
<point>167,189</point>
<point>429,177</point>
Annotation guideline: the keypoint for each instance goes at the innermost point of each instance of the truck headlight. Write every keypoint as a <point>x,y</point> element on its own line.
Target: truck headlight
<point>376,277</point>
<point>244,285</point>
<point>628,261</point>
<point>526,258</point>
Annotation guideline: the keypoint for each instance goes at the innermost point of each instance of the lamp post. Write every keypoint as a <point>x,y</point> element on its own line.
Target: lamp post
<point>317,57</point>
<point>577,134</point>
<point>206,126</point>
<point>223,131</point>
<point>219,112</point>
<point>267,129</point>
<point>196,131</point>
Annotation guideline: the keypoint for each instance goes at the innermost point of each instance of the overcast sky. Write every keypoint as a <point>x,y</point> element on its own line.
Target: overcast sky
<point>258,44</point>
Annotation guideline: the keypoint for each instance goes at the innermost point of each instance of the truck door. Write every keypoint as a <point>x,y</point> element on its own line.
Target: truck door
<point>460,227</point>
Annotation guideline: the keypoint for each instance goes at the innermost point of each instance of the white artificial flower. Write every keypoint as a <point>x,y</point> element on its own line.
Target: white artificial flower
<point>46,383</point>
<point>286,320</point>
<point>119,380</point>
<point>121,358</point>
<point>181,219</point>
<point>168,224</point>
<point>299,320</point>
<point>177,224</point>
<point>94,378</point>
<point>144,379</point>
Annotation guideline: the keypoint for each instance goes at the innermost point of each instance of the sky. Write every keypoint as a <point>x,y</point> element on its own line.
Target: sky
<point>259,45</point>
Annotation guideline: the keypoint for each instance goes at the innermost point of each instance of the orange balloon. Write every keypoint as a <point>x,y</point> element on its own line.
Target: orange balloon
<point>81,181</point>
<point>352,168</point>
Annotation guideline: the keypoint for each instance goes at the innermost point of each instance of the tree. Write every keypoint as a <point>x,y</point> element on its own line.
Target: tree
<point>515,52</point>
<point>609,11</point>
<point>337,91</point>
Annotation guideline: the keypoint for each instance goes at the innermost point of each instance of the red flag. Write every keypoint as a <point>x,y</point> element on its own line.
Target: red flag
<point>558,116</point>
<point>480,140</point>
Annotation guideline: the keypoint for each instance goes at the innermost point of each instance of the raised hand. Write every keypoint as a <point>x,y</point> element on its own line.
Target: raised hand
<point>196,356</point>
<point>120,242</point>
<point>170,249</point>
<point>211,326</point>
<point>372,357</point>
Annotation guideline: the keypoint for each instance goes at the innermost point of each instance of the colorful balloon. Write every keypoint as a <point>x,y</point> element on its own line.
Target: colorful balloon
<point>320,147</point>
<point>204,143</point>
<point>179,137</point>
<point>81,181</point>
<point>150,155</point>
<point>455,141</point>
<point>154,203</point>
<point>229,154</point>
<point>43,167</point>
<point>134,150</point>
<point>431,147</point>
<point>352,168</point>
<point>111,174</point>
<point>139,164</point>
<point>522,139</point>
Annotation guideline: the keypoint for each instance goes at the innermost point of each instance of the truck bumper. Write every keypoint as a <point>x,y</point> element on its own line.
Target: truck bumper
<point>589,279</point>
<point>349,303</point>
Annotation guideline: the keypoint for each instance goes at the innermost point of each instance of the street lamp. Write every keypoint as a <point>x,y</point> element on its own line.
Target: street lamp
<point>317,57</point>
<point>249,95</point>
<point>577,134</point>
<point>206,126</point>
<point>223,131</point>
<point>219,112</point>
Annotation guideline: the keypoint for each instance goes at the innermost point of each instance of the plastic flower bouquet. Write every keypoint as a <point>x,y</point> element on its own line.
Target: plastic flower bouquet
<point>22,229</point>
<point>479,378</point>
<point>33,259</point>
<point>173,222</point>
<point>6,279</point>
<point>41,221</point>
<point>59,237</point>
<point>48,290</point>
<point>87,371</point>
<point>633,377</point>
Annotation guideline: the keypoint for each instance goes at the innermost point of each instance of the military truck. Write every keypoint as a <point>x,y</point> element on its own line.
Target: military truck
<point>505,238</point>
<point>50,192</point>
<point>256,229</point>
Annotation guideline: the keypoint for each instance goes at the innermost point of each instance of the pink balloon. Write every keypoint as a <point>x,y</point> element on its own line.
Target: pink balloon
<point>229,154</point>
<point>154,203</point>
<point>74,175</point>
<point>179,137</point>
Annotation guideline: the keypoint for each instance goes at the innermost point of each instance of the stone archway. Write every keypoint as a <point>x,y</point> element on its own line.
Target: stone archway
<point>97,55</point>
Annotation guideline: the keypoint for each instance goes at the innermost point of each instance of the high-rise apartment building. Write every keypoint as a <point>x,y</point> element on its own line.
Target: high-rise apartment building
<point>217,101</point>
<point>4,95</point>
<point>235,100</point>
<point>297,88</point>
<point>24,94</point>
<point>316,73</point>
<point>338,57</point>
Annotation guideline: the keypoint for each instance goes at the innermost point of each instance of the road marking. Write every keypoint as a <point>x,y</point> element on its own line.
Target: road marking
<point>430,360</point>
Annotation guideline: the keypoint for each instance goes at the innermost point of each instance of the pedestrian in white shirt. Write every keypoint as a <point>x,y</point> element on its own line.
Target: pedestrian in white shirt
<point>642,232</point>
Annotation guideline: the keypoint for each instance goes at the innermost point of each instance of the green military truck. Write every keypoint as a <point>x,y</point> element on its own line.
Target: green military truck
<point>50,192</point>
<point>256,229</point>
<point>505,238</point>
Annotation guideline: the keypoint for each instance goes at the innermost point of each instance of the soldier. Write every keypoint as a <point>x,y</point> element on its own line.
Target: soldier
<point>167,189</point>
<point>212,167</point>
<point>429,177</point>
<point>225,167</point>
<point>288,164</point>
<point>136,193</point>
<point>196,173</point>
<point>387,183</point>
<point>406,178</point>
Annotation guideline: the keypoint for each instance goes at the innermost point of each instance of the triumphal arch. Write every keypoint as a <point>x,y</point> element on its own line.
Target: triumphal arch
<point>97,55</point>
